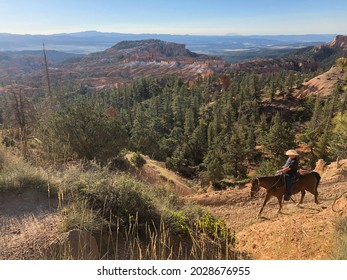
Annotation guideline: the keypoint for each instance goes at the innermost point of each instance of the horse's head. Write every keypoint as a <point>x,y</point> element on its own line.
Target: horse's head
<point>255,187</point>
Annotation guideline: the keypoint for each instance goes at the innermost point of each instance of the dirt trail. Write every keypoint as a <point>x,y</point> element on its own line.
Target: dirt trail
<point>28,222</point>
<point>304,232</point>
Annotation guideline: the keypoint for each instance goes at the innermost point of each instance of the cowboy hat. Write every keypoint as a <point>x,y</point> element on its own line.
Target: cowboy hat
<point>292,153</point>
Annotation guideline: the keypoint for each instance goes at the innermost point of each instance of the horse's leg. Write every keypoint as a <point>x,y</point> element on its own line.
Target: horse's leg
<point>316,196</point>
<point>280,203</point>
<point>267,197</point>
<point>303,192</point>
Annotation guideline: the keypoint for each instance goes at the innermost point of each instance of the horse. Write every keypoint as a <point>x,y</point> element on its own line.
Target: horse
<point>275,186</point>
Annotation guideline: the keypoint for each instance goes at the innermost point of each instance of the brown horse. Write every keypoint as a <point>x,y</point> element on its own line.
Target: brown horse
<point>275,186</point>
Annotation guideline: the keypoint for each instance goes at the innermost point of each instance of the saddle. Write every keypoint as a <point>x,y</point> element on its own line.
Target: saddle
<point>296,177</point>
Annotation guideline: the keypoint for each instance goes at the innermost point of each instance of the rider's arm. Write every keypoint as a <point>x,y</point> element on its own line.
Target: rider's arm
<point>284,170</point>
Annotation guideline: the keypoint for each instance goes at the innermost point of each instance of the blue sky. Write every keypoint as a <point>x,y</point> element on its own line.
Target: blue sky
<point>204,17</point>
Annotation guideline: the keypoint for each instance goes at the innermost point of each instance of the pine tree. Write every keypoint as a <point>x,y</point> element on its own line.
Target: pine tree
<point>213,162</point>
<point>279,139</point>
<point>178,109</point>
<point>338,147</point>
<point>144,138</point>
<point>189,122</point>
<point>272,91</point>
<point>214,170</point>
<point>197,144</point>
<point>235,157</point>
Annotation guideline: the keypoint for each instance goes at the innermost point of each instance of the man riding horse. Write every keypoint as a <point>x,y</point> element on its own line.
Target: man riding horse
<point>289,170</point>
<point>279,188</point>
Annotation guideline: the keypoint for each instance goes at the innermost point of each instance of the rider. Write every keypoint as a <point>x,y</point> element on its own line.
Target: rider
<point>289,170</point>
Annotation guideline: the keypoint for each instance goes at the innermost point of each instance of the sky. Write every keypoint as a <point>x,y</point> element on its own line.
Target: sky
<point>194,17</point>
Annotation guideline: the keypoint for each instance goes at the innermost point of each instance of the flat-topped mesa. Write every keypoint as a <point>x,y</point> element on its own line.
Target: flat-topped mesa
<point>340,41</point>
<point>166,49</point>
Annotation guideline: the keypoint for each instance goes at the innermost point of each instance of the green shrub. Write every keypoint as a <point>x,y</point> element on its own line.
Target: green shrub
<point>135,221</point>
<point>138,160</point>
<point>214,228</point>
<point>267,168</point>
<point>16,174</point>
<point>165,198</point>
<point>192,219</point>
<point>119,163</point>
<point>117,198</point>
<point>83,131</point>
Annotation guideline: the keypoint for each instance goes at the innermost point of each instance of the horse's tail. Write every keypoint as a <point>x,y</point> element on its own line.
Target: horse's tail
<point>318,177</point>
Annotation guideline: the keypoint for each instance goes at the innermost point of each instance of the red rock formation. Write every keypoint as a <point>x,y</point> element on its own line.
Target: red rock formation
<point>339,41</point>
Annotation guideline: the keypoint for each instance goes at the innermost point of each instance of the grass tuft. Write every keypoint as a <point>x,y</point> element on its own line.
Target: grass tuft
<point>341,239</point>
<point>16,174</point>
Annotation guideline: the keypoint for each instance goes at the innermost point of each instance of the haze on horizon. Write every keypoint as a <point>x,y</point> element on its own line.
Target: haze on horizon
<point>204,17</point>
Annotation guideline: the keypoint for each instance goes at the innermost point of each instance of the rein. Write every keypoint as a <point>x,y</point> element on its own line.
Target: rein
<point>273,186</point>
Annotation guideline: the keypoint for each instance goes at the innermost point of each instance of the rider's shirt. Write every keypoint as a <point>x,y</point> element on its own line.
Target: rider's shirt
<point>293,164</point>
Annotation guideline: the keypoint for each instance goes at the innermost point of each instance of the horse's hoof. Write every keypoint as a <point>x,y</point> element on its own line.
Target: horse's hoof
<point>298,204</point>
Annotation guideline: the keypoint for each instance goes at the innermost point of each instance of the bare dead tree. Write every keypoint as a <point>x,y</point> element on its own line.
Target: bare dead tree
<point>50,95</point>
<point>19,116</point>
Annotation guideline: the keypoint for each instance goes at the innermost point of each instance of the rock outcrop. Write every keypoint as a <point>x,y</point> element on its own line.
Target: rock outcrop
<point>76,244</point>
<point>334,172</point>
<point>156,48</point>
<point>322,85</point>
<point>339,41</point>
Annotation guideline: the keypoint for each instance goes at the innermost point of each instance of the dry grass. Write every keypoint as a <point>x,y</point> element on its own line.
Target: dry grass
<point>15,173</point>
<point>340,252</point>
<point>155,172</point>
<point>134,220</point>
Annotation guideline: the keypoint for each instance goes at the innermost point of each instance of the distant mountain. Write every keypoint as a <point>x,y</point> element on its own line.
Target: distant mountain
<point>93,41</point>
<point>309,58</point>
<point>52,55</point>
<point>325,55</point>
<point>128,60</point>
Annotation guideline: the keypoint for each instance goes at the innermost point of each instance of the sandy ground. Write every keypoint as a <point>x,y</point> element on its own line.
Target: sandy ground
<point>28,223</point>
<point>304,232</point>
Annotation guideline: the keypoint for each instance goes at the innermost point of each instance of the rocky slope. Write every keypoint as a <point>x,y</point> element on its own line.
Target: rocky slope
<point>133,59</point>
<point>339,41</point>
<point>306,59</point>
<point>16,64</point>
<point>128,60</point>
<point>321,85</point>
